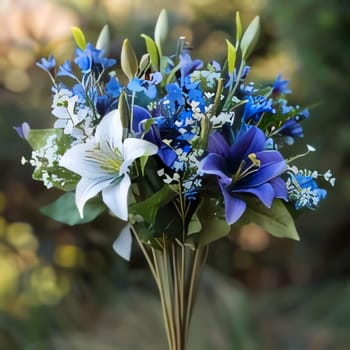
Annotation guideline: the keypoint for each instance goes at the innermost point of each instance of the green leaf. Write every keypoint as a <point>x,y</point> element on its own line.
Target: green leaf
<point>103,39</point>
<point>152,51</point>
<point>212,219</point>
<point>64,210</point>
<point>275,220</point>
<point>238,28</point>
<point>161,29</point>
<point>79,37</point>
<point>231,56</point>
<point>128,60</point>
<point>148,208</point>
<point>250,37</point>
<point>194,226</point>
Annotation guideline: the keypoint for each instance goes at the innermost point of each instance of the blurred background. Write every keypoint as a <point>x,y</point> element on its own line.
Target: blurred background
<point>63,287</point>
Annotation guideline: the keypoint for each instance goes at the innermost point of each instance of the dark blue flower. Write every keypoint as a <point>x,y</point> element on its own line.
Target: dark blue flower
<point>113,88</point>
<point>187,66</point>
<point>175,97</point>
<point>245,168</point>
<point>280,87</point>
<point>255,107</point>
<point>292,128</point>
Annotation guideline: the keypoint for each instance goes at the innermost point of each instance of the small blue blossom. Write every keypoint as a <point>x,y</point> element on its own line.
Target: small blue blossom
<point>303,189</point>
<point>91,58</point>
<point>280,87</point>
<point>47,64</point>
<point>255,107</point>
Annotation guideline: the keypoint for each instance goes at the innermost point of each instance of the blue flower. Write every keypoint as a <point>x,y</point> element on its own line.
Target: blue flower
<point>91,58</point>
<point>65,70</point>
<point>255,107</point>
<point>244,168</point>
<point>292,128</point>
<point>303,190</point>
<point>146,86</point>
<point>187,66</point>
<point>47,64</point>
<point>280,87</point>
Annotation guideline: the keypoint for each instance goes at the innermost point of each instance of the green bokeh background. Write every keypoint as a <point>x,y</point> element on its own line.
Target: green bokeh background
<point>63,287</point>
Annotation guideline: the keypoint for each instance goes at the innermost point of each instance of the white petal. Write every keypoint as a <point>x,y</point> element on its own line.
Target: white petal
<point>135,148</point>
<point>75,160</point>
<point>115,197</point>
<point>87,189</point>
<point>122,245</point>
<point>110,129</point>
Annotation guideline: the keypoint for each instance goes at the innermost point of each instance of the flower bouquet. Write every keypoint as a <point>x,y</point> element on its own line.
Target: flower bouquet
<point>178,149</point>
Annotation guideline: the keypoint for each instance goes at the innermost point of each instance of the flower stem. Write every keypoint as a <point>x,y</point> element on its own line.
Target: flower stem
<point>176,269</point>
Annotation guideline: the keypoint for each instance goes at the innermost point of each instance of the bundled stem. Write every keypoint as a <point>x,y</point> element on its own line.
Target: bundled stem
<point>176,269</point>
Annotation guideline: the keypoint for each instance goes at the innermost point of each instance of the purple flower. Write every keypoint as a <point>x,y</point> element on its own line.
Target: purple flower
<point>243,169</point>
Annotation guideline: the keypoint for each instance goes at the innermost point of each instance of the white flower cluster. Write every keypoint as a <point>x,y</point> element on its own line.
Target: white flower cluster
<point>44,159</point>
<point>73,117</point>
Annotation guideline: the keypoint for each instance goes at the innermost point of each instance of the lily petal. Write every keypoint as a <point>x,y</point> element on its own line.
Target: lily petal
<point>88,188</point>
<point>215,164</point>
<point>115,197</point>
<point>217,144</point>
<point>234,207</point>
<point>280,188</point>
<point>264,192</point>
<point>250,141</point>
<point>135,148</point>
<point>76,160</point>
<point>122,245</point>
<point>110,129</point>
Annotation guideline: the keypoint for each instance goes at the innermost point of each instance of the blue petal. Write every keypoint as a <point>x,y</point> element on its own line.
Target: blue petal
<point>247,142</point>
<point>215,164</point>
<point>217,144</point>
<point>234,207</point>
<point>280,188</point>
<point>264,192</point>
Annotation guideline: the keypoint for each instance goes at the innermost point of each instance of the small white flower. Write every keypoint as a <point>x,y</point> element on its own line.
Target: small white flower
<point>103,164</point>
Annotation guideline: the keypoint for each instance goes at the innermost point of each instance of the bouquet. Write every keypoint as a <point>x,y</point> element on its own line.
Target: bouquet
<point>178,149</point>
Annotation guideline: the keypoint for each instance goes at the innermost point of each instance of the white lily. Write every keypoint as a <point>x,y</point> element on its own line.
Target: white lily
<point>103,164</point>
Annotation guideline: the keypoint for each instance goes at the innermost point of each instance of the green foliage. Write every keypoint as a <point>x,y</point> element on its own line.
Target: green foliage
<point>152,51</point>
<point>148,208</point>
<point>64,210</point>
<point>212,223</point>
<point>275,220</point>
